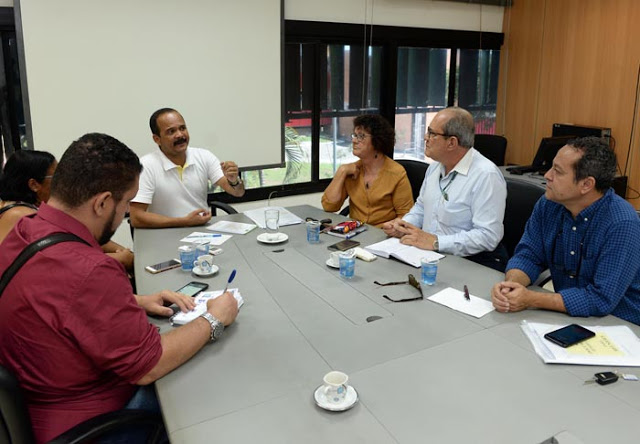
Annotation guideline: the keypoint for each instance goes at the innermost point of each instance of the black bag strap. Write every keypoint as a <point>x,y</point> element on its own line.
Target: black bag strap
<point>18,204</point>
<point>32,249</point>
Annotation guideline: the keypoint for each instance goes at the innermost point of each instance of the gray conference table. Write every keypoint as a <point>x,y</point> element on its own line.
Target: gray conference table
<point>423,372</point>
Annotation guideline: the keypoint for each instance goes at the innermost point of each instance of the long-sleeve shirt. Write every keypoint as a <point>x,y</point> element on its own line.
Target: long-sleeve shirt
<point>594,258</point>
<point>464,208</point>
<point>388,197</point>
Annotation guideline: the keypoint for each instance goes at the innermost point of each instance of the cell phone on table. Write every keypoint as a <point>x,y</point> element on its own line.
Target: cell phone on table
<point>569,335</point>
<point>344,245</point>
<point>163,266</point>
<point>193,288</point>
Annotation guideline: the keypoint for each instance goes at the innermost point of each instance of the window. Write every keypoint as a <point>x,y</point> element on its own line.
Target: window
<point>405,74</point>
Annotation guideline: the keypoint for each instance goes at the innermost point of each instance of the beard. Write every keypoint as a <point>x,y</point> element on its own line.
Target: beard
<point>107,230</point>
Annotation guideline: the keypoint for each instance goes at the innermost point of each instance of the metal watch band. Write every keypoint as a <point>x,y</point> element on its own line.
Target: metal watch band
<point>216,326</point>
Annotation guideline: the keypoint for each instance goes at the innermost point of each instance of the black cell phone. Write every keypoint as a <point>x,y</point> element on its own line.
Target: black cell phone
<point>193,288</point>
<point>344,245</point>
<point>163,266</point>
<point>569,335</point>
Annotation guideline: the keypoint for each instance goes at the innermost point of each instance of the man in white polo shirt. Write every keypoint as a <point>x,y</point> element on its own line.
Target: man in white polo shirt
<point>175,179</point>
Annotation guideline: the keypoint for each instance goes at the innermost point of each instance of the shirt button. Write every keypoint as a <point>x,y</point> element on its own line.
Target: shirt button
<point>573,228</point>
<point>586,219</point>
<point>571,277</point>
<point>572,253</point>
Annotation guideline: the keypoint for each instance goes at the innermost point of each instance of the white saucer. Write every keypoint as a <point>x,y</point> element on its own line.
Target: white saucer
<point>197,272</point>
<point>276,238</point>
<point>332,264</point>
<point>349,400</point>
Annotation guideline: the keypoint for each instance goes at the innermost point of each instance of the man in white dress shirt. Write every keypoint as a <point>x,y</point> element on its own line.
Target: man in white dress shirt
<point>175,179</point>
<point>461,205</point>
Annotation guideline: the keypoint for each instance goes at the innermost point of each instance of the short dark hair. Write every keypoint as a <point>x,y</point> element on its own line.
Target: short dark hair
<point>153,120</point>
<point>93,164</point>
<point>20,167</point>
<point>461,125</point>
<point>597,161</point>
<point>383,136</point>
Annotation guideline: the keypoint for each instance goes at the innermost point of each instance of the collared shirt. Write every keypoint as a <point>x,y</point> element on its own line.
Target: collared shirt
<point>388,197</point>
<point>175,191</point>
<point>464,208</point>
<point>594,259</point>
<point>70,327</point>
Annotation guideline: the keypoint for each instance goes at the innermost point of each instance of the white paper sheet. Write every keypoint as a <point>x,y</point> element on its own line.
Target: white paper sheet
<point>452,298</point>
<point>202,238</point>
<point>227,226</point>
<point>181,318</point>
<point>613,346</point>
<point>286,216</point>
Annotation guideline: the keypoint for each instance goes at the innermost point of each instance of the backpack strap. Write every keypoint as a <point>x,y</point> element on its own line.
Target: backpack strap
<point>32,249</point>
<point>18,204</point>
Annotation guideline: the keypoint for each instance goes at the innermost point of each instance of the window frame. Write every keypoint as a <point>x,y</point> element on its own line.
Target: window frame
<point>389,38</point>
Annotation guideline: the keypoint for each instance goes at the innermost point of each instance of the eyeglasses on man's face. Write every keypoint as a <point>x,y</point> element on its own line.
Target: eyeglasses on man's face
<point>431,134</point>
<point>359,137</point>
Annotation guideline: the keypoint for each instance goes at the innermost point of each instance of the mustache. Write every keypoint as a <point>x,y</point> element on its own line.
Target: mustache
<point>180,141</point>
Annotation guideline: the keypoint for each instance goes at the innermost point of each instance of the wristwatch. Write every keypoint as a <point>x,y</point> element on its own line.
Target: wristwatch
<point>436,245</point>
<point>217,327</point>
<point>236,183</point>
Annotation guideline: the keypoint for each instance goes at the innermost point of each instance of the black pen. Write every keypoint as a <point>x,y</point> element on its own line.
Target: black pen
<point>466,294</point>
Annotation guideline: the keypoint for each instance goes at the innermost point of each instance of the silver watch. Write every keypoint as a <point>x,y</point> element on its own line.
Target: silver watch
<point>436,245</point>
<point>217,327</point>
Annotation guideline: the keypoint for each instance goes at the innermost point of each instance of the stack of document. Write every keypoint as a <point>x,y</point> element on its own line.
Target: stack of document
<point>286,216</point>
<point>612,346</point>
<point>406,253</point>
<point>181,318</point>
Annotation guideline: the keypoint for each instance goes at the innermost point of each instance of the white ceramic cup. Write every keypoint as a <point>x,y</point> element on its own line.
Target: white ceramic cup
<point>335,386</point>
<point>204,263</point>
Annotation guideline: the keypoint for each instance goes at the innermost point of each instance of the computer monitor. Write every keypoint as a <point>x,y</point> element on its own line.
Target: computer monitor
<point>549,147</point>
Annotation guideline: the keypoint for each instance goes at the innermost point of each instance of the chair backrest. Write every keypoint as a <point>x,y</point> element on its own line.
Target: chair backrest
<point>521,198</point>
<point>15,424</point>
<point>415,172</point>
<point>492,147</point>
<point>216,204</point>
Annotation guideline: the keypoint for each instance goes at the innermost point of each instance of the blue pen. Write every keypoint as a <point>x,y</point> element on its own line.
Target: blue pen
<point>231,278</point>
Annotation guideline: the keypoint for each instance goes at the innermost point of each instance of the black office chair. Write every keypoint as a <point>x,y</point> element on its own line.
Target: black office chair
<point>521,198</point>
<point>216,204</point>
<point>15,423</point>
<point>492,147</point>
<point>415,172</point>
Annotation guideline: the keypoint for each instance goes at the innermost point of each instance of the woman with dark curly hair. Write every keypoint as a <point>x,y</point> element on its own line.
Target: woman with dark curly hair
<point>377,187</point>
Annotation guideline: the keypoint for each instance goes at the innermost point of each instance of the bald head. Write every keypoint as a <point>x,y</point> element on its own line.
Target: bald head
<point>459,123</point>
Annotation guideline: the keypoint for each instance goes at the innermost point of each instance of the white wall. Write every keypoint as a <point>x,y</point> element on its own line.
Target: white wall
<point>6,3</point>
<point>411,13</point>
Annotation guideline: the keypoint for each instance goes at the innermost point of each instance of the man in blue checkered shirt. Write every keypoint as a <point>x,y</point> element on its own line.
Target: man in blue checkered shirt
<point>588,237</point>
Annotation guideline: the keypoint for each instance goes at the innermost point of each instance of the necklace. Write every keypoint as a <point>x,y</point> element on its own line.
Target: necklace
<point>443,191</point>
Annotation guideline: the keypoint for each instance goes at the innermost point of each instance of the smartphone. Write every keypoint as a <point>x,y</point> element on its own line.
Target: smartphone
<point>344,245</point>
<point>193,288</point>
<point>569,335</point>
<point>163,266</point>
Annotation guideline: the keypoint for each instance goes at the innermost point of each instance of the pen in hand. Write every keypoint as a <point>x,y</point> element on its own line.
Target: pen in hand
<point>231,277</point>
<point>466,294</point>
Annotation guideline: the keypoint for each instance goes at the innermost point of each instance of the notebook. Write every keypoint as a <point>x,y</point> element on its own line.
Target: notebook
<point>406,253</point>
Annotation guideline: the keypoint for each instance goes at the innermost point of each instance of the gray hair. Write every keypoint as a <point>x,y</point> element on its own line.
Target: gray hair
<point>461,125</point>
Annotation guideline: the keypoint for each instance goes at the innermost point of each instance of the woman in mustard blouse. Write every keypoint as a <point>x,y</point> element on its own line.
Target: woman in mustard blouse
<point>377,187</point>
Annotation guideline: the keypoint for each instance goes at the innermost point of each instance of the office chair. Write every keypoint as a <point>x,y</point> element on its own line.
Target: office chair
<point>415,172</point>
<point>216,204</point>
<point>15,423</point>
<point>492,147</point>
<point>521,198</point>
